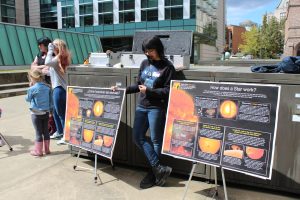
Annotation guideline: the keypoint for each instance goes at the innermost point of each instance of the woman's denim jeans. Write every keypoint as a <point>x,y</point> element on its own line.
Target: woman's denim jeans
<point>59,111</point>
<point>154,119</point>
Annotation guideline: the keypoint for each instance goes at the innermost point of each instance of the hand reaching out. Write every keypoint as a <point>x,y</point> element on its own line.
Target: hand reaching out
<point>142,89</point>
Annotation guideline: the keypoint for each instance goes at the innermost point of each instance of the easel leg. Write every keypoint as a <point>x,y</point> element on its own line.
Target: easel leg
<point>216,181</point>
<point>112,164</point>
<point>4,140</point>
<point>224,184</point>
<point>95,170</point>
<point>74,167</point>
<point>190,178</point>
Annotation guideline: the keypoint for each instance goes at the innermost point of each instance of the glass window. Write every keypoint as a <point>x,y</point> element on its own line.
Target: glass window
<point>106,18</point>
<point>105,7</point>
<point>149,3</point>
<point>86,9</point>
<point>67,11</point>
<point>282,15</point>
<point>86,20</point>
<point>68,22</point>
<point>126,4</point>
<point>8,2</point>
<point>8,11</point>
<point>150,15</point>
<point>9,20</point>
<point>174,13</point>
<point>193,9</point>
<point>173,2</point>
<point>85,1</point>
<point>125,17</point>
<point>48,5</point>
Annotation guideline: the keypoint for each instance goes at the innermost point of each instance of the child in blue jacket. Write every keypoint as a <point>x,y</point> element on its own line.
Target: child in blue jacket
<point>39,97</point>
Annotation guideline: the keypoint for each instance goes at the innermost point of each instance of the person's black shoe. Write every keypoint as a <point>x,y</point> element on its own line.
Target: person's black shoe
<point>148,181</point>
<point>161,174</point>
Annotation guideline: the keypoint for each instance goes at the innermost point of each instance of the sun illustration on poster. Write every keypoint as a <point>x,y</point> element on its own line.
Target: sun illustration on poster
<point>181,107</point>
<point>88,135</point>
<point>209,145</point>
<point>228,109</point>
<point>98,108</point>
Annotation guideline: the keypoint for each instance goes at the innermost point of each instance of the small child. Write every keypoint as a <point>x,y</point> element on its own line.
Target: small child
<point>39,97</point>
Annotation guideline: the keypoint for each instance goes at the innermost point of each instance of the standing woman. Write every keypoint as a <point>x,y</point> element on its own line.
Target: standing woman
<point>153,86</point>
<point>58,64</point>
<point>39,60</point>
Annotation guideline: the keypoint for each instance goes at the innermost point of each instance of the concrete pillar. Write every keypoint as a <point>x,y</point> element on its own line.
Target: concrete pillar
<point>34,13</point>
<point>20,12</point>
<point>137,11</point>
<point>116,11</point>
<point>95,13</point>
<point>76,13</point>
<point>59,15</point>
<point>186,9</point>
<point>161,10</point>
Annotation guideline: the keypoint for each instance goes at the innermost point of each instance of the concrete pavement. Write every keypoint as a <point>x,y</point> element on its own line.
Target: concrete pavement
<point>52,177</point>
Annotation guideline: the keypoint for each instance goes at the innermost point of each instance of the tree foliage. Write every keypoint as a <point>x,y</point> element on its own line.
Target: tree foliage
<point>265,41</point>
<point>251,42</point>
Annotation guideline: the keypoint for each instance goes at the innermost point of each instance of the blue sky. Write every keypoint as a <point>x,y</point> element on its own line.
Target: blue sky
<point>241,10</point>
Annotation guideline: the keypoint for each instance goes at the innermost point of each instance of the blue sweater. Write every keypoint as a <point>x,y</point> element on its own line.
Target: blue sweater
<point>39,95</point>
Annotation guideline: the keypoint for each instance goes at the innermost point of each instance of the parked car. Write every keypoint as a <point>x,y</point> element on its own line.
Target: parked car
<point>236,56</point>
<point>247,57</point>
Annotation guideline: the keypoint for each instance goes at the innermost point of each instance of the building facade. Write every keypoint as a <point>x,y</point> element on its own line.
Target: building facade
<point>280,12</point>
<point>40,13</point>
<point>234,37</point>
<point>292,29</point>
<point>115,21</point>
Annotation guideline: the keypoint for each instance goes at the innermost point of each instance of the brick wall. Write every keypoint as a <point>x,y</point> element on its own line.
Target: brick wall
<point>292,29</point>
<point>236,39</point>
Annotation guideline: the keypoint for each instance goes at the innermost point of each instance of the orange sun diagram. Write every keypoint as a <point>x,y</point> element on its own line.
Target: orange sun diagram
<point>181,107</point>
<point>209,145</point>
<point>88,135</point>
<point>72,111</point>
<point>98,108</point>
<point>228,109</point>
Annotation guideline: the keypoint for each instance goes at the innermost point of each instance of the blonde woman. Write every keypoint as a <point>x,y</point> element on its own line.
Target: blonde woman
<point>58,59</point>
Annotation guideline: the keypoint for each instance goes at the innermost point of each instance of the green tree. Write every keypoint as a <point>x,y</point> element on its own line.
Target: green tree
<point>276,40</point>
<point>251,42</point>
<point>269,41</point>
<point>264,38</point>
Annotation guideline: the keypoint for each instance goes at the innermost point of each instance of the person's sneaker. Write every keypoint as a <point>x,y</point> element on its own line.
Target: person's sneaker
<point>60,142</point>
<point>56,135</point>
<point>148,181</point>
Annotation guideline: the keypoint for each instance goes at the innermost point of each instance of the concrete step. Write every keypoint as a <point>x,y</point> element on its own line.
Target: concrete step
<point>13,77</point>
<point>13,86</point>
<point>12,92</point>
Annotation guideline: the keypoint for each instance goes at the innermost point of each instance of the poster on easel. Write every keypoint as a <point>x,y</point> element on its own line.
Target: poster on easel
<point>92,118</point>
<point>229,125</point>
